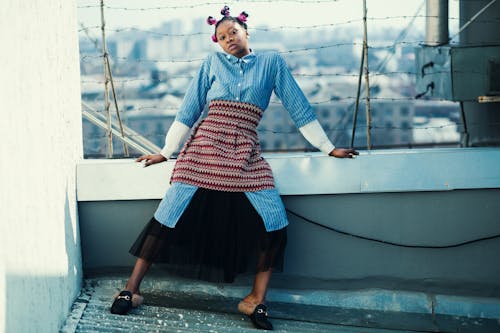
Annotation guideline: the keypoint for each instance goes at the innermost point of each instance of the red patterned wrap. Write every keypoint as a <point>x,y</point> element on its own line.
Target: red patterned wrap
<point>223,153</point>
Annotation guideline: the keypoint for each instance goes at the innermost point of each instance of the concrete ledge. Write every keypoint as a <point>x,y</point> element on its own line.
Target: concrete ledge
<point>409,170</point>
<point>477,307</point>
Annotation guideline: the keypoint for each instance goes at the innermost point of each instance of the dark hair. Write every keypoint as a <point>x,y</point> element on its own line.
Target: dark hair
<point>232,19</point>
<point>240,19</point>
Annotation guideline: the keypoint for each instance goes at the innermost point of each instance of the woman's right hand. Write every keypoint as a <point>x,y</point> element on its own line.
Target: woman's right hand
<point>151,159</point>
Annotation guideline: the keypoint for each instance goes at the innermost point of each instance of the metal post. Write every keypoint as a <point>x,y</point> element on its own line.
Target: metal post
<point>109,132</point>
<point>465,139</point>
<point>125,148</point>
<point>436,22</point>
<point>356,107</point>
<point>367,80</point>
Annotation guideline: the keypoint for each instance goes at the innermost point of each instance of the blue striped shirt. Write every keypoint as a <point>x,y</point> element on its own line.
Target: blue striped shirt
<point>250,79</point>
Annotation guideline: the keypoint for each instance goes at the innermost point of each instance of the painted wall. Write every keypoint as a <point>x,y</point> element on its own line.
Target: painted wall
<point>41,142</point>
<point>438,207</point>
<point>426,219</point>
<point>482,118</point>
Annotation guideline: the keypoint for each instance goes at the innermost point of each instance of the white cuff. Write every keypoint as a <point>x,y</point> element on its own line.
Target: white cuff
<point>173,139</point>
<point>314,133</point>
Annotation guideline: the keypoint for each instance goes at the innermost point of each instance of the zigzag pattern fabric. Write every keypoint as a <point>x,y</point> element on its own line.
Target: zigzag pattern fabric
<point>223,153</point>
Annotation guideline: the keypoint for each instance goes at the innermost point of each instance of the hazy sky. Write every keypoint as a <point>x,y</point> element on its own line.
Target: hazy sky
<point>146,14</point>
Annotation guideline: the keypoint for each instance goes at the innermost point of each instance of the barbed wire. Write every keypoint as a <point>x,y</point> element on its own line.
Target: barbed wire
<point>201,5</point>
<point>294,130</point>
<point>291,51</point>
<point>341,126</point>
<point>288,27</point>
<point>317,75</point>
<point>304,49</point>
<point>393,73</point>
<point>170,76</point>
<point>268,29</point>
<point>93,40</point>
<point>139,60</point>
<point>171,110</point>
<point>318,103</point>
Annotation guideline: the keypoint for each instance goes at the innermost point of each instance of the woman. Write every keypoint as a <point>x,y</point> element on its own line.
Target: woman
<point>222,213</point>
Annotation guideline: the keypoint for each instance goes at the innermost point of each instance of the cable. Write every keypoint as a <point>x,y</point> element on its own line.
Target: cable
<point>473,18</point>
<point>392,243</point>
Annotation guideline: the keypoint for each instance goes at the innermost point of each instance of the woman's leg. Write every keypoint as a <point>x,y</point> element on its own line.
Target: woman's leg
<point>252,306</point>
<point>140,268</point>
<point>259,290</point>
<point>131,297</point>
<point>258,294</point>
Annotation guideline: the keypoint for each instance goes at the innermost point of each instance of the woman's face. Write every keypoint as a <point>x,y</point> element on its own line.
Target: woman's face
<point>233,38</point>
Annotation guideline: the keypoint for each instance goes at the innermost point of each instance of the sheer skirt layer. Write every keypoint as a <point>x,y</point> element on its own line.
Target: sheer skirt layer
<point>219,236</point>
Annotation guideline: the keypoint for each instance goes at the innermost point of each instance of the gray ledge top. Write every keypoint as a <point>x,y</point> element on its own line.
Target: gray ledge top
<point>395,170</point>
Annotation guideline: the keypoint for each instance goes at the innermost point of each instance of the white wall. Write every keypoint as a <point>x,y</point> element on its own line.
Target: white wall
<point>40,144</point>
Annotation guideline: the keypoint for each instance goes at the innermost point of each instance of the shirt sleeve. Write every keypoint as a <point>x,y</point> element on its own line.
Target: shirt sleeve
<point>195,99</point>
<point>290,94</point>
<point>175,135</point>
<point>314,133</point>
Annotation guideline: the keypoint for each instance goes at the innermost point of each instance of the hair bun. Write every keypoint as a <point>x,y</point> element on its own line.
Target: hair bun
<point>243,16</point>
<point>211,20</point>
<point>225,11</point>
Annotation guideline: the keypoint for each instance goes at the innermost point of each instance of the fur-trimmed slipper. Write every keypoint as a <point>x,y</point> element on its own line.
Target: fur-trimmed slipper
<point>246,308</point>
<point>124,301</point>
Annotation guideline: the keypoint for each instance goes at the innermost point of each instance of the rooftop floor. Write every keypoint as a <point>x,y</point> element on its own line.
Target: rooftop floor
<point>174,304</point>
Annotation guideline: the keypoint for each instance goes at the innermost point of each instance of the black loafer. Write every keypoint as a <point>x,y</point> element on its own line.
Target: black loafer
<point>122,303</point>
<point>259,318</point>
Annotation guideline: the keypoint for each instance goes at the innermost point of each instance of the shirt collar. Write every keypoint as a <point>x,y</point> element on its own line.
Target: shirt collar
<point>246,59</point>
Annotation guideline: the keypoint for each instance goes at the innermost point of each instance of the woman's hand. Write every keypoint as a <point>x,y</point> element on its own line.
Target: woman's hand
<point>343,153</point>
<point>151,159</point>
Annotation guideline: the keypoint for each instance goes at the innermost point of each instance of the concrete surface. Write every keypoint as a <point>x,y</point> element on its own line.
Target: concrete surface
<point>175,304</point>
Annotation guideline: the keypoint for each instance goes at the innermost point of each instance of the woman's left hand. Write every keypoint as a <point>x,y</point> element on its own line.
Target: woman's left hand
<point>343,153</point>
<point>151,159</point>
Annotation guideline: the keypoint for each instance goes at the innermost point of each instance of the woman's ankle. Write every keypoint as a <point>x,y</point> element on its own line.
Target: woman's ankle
<point>133,290</point>
<point>253,299</point>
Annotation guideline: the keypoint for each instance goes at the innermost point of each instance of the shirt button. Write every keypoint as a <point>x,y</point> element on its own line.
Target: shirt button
<point>241,72</point>
<point>239,84</point>
<point>237,98</point>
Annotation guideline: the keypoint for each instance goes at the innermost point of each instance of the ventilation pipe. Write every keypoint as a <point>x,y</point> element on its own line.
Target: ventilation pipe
<point>436,27</point>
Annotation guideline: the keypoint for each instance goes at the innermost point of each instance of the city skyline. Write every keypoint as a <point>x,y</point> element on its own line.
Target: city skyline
<point>154,64</point>
<point>150,14</point>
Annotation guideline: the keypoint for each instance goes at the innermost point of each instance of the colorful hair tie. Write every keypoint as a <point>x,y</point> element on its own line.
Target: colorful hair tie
<point>211,20</point>
<point>225,11</point>
<point>243,16</point>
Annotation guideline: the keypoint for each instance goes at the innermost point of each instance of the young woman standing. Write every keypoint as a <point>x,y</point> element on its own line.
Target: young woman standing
<point>222,213</point>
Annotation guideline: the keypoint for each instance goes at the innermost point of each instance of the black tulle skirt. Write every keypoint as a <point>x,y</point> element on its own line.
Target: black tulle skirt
<point>219,236</point>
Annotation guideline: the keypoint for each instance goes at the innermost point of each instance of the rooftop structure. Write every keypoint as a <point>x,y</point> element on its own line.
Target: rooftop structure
<point>394,239</point>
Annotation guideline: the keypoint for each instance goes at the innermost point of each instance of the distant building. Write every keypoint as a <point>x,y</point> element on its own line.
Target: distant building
<point>394,123</point>
<point>164,63</point>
